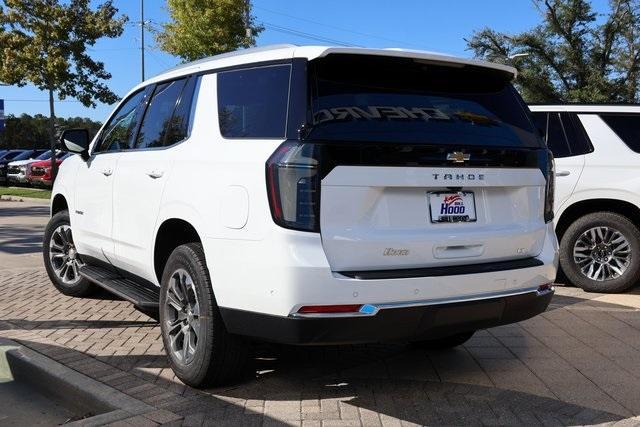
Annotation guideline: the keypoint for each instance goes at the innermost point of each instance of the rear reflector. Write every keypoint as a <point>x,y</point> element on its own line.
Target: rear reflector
<point>315,309</point>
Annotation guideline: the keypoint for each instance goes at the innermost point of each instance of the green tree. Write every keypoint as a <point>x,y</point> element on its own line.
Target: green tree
<point>574,55</point>
<point>44,42</point>
<point>201,28</point>
<point>27,131</point>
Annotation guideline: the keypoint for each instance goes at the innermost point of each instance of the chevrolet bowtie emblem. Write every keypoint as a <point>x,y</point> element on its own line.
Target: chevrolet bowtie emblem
<point>458,157</point>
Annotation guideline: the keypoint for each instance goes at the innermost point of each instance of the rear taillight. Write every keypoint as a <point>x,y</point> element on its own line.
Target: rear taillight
<point>293,186</point>
<point>550,187</point>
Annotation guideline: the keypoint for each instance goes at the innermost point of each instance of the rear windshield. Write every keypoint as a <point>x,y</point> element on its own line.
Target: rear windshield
<point>402,100</point>
<point>44,156</point>
<point>11,155</point>
<point>25,155</point>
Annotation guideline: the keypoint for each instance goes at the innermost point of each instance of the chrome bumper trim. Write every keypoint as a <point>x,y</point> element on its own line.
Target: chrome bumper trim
<point>373,309</point>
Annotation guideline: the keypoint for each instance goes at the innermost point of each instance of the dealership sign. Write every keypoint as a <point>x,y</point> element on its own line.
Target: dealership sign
<point>1,114</point>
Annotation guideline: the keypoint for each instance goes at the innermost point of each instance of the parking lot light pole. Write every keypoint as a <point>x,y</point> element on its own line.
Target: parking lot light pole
<point>142,37</point>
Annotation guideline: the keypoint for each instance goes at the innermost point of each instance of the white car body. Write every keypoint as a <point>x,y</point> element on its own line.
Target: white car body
<point>598,171</point>
<point>609,171</point>
<point>119,202</point>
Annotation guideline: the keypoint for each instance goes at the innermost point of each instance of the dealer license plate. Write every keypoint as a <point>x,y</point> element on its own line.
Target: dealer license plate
<point>459,206</point>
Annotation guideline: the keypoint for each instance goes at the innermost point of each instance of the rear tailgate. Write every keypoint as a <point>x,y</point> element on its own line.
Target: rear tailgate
<point>380,217</point>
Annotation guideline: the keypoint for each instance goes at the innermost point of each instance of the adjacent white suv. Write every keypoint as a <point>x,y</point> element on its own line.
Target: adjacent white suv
<point>310,195</point>
<point>597,198</point>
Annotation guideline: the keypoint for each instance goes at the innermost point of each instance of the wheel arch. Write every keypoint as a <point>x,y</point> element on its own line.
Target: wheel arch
<point>584,207</point>
<point>58,203</point>
<point>172,233</point>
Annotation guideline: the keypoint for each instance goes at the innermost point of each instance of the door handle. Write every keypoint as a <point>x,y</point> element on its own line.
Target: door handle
<point>107,172</point>
<point>563,173</point>
<point>155,174</point>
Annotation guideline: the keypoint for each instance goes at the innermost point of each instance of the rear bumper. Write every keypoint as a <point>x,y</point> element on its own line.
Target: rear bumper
<point>412,322</point>
<point>277,276</point>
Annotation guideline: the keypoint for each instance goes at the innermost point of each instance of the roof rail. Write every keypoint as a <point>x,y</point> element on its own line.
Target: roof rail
<point>238,52</point>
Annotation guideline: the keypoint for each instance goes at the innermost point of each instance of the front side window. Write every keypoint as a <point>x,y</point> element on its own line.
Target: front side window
<point>118,132</point>
<point>157,119</point>
<point>404,100</point>
<point>627,127</point>
<point>252,103</point>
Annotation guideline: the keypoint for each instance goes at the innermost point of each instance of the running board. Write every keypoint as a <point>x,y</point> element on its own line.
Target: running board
<point>141,295</point>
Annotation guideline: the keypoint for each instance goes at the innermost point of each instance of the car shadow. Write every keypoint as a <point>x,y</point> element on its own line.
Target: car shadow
<point>351,387</point>
<point>21,240</point>
<point>334,382</point>
<point>28,211</point>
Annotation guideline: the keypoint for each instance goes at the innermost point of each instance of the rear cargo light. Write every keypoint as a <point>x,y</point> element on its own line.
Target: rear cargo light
<point>293,186</point>
<point>550,187</point>
<point>319,309</point>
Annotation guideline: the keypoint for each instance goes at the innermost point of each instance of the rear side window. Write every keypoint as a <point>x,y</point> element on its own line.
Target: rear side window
<point>577,137</point>
<point>179,125</point>
<point>556,138</point>
<point>252,103</point>
<point>563,133</point>
<point>167,116</point>
<point>627,127</point>
<point>403,100</point>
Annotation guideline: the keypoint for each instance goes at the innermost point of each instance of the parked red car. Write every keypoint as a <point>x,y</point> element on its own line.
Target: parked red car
<point>40,172</point>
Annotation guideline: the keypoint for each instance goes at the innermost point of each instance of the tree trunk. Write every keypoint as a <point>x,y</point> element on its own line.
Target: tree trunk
<point>52,136</point>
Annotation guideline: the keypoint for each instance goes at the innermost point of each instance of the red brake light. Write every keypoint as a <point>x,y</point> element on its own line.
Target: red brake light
<point>318,309</point>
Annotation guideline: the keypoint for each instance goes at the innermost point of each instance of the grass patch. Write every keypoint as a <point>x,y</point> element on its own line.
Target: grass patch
<point>35,193</point>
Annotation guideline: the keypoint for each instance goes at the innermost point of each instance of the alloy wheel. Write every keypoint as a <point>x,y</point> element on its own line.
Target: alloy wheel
<point>602,253</point>
<point>182,316</point>
<point>63,256</point>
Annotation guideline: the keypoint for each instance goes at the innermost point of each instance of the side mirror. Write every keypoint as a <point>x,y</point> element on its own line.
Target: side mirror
<point>76,141</point>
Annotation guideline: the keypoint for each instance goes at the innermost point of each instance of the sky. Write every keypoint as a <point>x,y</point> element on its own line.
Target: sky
<point>431,25</point>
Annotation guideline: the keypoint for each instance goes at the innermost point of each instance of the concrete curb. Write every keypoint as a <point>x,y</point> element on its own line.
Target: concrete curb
<point>6,198</point>
<point>69,386</point>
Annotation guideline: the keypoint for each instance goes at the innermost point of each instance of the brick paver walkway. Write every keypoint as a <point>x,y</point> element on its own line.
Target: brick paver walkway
<point>579,363</point>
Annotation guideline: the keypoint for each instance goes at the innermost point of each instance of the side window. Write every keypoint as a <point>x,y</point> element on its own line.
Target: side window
<point>158,122</point>
<point>627,127</point>
<point>118,132</point>
<point>556,138</point>
<point>179,125</point>
<point>576,135</point>
<point>540,121</point>
<point>252,103</point>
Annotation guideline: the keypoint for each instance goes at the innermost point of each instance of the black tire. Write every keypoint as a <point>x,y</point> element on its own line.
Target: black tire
<point>76,286</point>
<point>445,342</point>
<point>219,357</point>
<point>570,267</point>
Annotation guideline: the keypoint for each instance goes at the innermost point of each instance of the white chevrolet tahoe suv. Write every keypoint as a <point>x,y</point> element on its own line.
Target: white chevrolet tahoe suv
<point>597,197</point>
<point>310,195</point>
